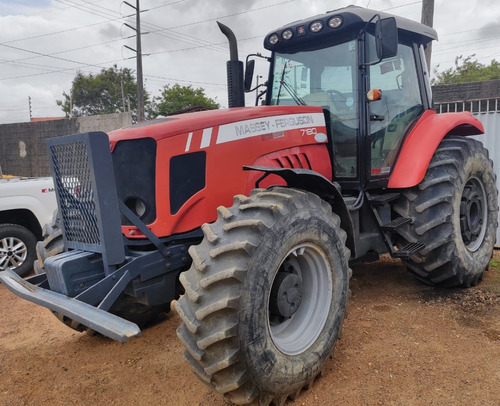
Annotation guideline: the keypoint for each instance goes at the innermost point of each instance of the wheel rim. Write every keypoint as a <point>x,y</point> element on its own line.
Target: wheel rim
<point>13,253</point>
<point>294,334</point>
<point>473,214</point>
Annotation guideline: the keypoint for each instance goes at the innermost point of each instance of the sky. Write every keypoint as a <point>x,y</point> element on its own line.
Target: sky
<point>44,43</point>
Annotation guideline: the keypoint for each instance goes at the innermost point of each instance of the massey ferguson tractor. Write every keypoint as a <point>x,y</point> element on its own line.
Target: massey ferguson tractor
<point>250,217</point>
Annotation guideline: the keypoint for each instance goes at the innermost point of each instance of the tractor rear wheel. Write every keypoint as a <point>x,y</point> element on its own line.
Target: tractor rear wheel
<point>454,211</point>
<point>265,296</point>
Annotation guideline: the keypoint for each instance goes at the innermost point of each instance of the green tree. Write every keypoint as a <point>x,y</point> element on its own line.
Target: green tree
<point>109,91</point>
<point>467,70</point>
<point>176,98</point>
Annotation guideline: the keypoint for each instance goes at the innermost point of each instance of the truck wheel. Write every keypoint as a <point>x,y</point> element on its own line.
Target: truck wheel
<point>265,296</point>
<point>454,211</point>
<point>17,249</point>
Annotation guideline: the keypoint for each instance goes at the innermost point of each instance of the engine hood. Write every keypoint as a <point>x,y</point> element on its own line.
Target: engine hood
<point>180,124</point>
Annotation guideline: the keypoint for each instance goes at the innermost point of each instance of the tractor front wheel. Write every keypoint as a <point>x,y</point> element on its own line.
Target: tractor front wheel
<point>454,211</point>
<point>265,297</point>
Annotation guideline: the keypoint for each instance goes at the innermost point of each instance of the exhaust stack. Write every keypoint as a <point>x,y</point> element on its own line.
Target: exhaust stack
<point>235,91</point>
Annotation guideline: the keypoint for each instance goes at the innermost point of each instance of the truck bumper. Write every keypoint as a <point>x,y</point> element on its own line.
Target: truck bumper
<point>98,320</point>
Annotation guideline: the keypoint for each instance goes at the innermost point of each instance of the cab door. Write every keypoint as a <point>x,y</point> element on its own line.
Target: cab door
<point>394,114</point>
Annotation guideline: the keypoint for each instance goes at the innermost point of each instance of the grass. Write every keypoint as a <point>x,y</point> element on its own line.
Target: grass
<point>495,263</point>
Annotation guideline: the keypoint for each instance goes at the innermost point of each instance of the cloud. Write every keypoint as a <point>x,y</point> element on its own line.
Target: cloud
<point>44,43</point>
<point>19,7</point>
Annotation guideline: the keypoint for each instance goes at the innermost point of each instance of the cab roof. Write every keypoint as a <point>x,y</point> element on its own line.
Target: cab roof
<point>352,17</point>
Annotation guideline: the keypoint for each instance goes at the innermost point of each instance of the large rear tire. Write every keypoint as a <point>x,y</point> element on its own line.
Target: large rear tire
<point>265,296</point>
<point>454,211</point>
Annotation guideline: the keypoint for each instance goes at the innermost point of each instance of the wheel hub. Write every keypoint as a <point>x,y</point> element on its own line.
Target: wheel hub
<point>13,253</point>
<point>300,299</point>
<point>473,212</point>
<point>286,294</point>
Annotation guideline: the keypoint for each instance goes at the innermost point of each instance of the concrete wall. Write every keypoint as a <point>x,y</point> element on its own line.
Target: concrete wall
<point>488,89</point>
<point>22,145</point>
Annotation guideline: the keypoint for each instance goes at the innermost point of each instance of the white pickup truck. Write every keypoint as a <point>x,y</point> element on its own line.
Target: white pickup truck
<point>26,205</point>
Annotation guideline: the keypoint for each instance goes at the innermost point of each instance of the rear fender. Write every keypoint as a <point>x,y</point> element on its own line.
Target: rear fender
<point>314,182</point>
<point>423,140</point>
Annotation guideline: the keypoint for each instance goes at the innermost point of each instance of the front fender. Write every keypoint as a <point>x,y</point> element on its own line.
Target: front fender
<point>314,182</point>
<point>423,140</point>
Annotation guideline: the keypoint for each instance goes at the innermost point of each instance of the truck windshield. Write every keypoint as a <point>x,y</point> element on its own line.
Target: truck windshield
<point>325,78</point>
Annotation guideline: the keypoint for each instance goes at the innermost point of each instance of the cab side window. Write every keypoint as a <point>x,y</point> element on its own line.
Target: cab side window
<point>394,113</point>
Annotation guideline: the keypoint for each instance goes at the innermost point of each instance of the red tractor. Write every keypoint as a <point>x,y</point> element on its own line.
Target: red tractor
<point>250,216</point>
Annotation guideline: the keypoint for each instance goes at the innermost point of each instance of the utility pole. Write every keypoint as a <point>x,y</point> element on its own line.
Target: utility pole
<point>29,105</point>
<point>428,19</point>
<point>123,93</point>
<point>138,52</point>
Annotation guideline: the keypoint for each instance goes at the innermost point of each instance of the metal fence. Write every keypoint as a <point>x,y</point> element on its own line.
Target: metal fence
<point>475,106</point>
<point>488,112</point>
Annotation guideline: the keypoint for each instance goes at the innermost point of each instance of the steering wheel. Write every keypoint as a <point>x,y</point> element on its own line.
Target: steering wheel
<point>339,102</point>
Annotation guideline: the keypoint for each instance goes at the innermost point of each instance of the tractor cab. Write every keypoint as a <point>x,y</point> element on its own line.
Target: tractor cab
<point>367,71</point>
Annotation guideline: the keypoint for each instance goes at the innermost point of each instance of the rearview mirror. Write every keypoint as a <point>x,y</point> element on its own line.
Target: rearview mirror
<point>386,37</point>
<point>249,69</point>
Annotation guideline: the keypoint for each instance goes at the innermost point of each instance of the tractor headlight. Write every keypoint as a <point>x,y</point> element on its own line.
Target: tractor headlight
<point>335,22</point>
<point>137,205</point>
<point>273,39</point>
<point>316,26</point>
<point>287,34</point>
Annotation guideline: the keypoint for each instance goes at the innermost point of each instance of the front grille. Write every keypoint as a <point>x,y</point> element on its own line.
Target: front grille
<point>134,162</point>
<point>86,194</point>
<point>76,195</point>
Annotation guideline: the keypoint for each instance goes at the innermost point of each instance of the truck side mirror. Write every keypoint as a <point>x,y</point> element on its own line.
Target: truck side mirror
<point>249,69</point>
<point>386,37</point>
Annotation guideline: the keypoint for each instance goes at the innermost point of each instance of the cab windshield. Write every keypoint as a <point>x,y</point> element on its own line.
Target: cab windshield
<point>326,78</point>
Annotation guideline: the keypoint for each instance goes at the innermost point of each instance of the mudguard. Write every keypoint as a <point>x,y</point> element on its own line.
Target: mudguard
<point>423,140</point>
<point>316,183</point>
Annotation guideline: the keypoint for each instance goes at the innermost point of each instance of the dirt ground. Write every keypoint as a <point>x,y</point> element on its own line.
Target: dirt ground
<point>404,344</point>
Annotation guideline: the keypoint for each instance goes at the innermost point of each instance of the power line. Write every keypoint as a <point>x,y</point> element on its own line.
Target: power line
<point>14,61</point>
<point>202,46</point>
<point>227,15</point>
<point>402,5</point>
<point>87,9</point>
<point>60,32</point>
<point>184,81</point>
<point>48,55</point>
<point>65,70</point>
<point>110,13</point>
